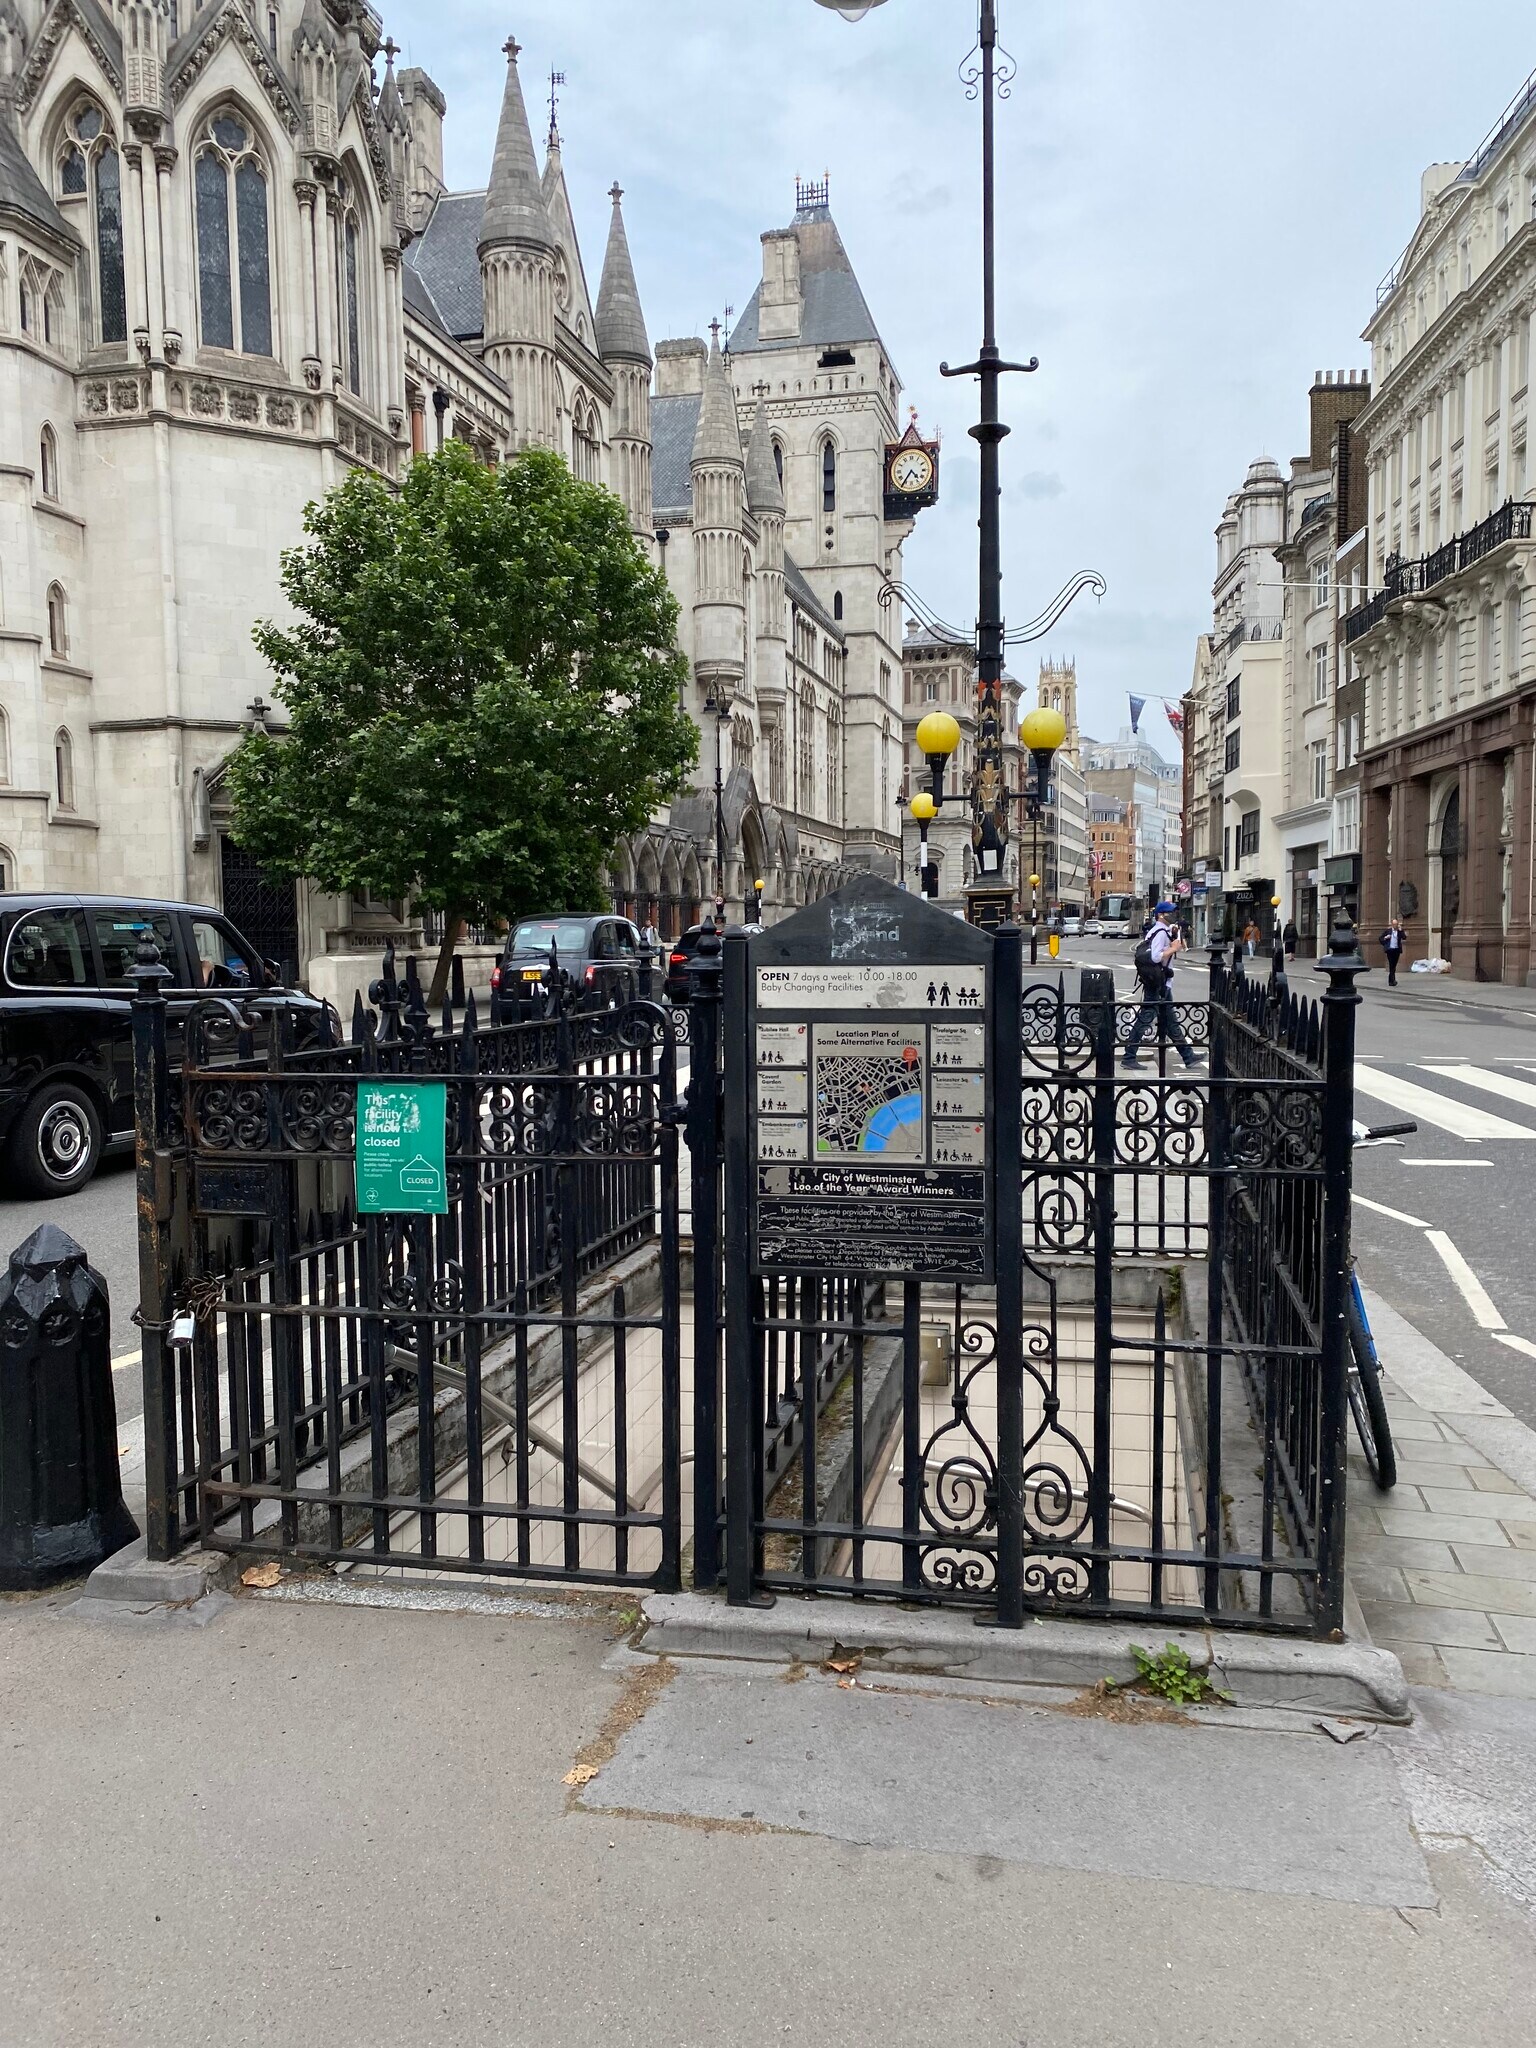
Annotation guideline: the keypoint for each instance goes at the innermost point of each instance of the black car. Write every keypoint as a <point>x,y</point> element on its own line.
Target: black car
<point>602,955</point>
<point>680,958</point>
<point>66,1033</point>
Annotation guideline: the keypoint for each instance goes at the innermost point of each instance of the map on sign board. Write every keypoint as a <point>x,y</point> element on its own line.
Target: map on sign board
<point>869,1091</point>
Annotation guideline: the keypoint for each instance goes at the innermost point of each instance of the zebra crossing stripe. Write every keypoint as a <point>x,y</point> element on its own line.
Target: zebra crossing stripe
<point>1523,1092</point>
<point>1423,1104</point>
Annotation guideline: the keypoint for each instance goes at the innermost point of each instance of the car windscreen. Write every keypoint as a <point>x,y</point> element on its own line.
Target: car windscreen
<point>568,938</point>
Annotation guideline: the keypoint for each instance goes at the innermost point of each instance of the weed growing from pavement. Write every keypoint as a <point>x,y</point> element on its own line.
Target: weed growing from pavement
<point>1169,1674</point>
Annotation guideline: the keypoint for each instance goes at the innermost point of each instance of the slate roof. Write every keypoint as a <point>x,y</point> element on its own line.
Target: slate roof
<point>446,258</point>
<point>800,590</point>
<point>835,311</point>
<point>674,423</point>
<point>23,191</point>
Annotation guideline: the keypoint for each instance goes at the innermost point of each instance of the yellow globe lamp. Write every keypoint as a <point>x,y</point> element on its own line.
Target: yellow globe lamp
<point>1274,902</point>
<point>923,808</point>
<point>1034,881</point>
<point>938,735</point>
<point>1041,731</point>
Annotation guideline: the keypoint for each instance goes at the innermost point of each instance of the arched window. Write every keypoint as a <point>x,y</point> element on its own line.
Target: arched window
<point>90,169</point>
<point>48,463</point>
<point>828,476</point>
<point>7,868</point>
<point>586,449</point>
<point>349,273</point>
<point>58,621</point>
<point>234,260</point>
<point>778,461</point>
<point>64,770</point>
<point>837,604</point>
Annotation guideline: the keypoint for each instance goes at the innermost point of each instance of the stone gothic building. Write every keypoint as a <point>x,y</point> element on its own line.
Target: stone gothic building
<point>230,270</point>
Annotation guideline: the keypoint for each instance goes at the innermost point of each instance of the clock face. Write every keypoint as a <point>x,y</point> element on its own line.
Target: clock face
<point>912,470</point>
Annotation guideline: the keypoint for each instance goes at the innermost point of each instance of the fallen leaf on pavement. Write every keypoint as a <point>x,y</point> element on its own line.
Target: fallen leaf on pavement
<point>843,1663</point>
<point>580,1774</point>
<point>262,1575</point>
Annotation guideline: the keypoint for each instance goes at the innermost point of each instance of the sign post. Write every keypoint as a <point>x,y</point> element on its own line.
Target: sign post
<point>870,1110</point>
<point>402,1147</point>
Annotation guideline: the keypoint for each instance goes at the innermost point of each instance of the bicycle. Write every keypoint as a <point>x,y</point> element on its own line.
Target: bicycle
<point>1367,1400</point>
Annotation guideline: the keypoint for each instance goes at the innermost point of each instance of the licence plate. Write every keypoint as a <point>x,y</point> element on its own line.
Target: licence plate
<point>533,974</point>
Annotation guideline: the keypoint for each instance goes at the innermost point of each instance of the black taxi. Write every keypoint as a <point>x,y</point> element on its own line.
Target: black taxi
<point>66,1032</point>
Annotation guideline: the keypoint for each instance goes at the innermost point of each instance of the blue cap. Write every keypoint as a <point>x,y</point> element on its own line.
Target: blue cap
<point>1166,906</point>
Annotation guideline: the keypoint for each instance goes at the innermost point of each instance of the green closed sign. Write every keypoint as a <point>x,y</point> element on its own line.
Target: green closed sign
<point>402,1148</point>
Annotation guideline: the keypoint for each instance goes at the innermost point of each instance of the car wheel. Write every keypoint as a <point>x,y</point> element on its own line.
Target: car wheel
<point>56,1144</point>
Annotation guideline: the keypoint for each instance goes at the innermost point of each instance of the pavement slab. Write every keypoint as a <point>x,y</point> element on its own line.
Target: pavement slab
<point>1315,1818</point>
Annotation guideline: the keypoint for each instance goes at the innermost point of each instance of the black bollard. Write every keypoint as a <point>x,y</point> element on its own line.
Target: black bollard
<point>61,1497</point>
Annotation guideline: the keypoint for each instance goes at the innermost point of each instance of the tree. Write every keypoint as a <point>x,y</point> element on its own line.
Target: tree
<point>483,691</point>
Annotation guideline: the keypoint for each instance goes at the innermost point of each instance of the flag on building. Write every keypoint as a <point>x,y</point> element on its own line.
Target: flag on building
<point>1174,716</point>
<point>1138,705</point>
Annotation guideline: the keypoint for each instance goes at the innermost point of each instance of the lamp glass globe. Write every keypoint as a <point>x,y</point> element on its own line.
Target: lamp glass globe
<point>938,733</point>
<point>923,807</point>
<point>1043,731</point>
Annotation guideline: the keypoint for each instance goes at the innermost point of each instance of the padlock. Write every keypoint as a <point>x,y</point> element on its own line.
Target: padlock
<point>183,1330</point>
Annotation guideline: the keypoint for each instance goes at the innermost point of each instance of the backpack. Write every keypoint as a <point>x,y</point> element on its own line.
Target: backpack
<point>1148,973</point>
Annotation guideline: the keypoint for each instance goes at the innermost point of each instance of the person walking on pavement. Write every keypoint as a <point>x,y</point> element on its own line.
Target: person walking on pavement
<point>1154,968</point>
<point>1393,940</point>
<point>649,936</point>
<point>1250,938</point>
<point>1290,936</point>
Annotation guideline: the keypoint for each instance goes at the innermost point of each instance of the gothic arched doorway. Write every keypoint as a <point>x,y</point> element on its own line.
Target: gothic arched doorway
<point>266,912</point>
<point>1450,870</point>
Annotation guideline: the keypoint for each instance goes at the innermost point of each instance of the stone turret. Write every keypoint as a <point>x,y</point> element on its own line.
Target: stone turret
<point>146,28</point>
<point>765,501</point>
<point>719,505</point>
<point>397,144</point>
<point>425,108</point>
<point>626,349</point>
<point>315,51</point>
<point>517,269</point>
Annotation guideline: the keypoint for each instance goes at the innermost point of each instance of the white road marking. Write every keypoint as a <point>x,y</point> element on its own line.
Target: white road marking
<point>1523,1092</point>
<point>1515,1343</point>
<point>1473,1292</point>
<point>1430,1108</point>
<point>128,1358</point>
<point>1397,1215</point>
<point>1445,1162</point>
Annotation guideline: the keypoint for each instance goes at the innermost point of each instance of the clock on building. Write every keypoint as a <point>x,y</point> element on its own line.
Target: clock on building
<point>911,474</point>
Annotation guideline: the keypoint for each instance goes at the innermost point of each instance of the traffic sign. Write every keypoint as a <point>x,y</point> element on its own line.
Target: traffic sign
<point>402,1147</point>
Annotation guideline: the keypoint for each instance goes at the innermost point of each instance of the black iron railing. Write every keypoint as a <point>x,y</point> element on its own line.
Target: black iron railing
<point>335,1378</point>
<point>1403,577</point>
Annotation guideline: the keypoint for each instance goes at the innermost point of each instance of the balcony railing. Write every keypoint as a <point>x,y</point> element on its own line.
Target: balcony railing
<point>1404,578</point>
<point>1252,629</point>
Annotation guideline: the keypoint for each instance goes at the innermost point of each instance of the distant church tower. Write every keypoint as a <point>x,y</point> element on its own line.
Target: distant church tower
<point>517,270</point>
<point>1058,692</point>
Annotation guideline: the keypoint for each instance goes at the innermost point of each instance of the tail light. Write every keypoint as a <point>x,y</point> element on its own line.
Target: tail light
<point>591,975</point>
<point>496,975</point>
<point>678,959</point>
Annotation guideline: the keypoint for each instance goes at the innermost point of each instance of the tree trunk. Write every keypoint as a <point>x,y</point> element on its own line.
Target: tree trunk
<point>453,926</point>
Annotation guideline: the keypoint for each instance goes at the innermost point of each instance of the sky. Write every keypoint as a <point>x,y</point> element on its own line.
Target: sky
<point>1195,204</point>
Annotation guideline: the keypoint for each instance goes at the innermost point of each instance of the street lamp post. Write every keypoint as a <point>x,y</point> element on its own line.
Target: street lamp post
<point>1042,732</point>
<point>718,704</point>
<point>923,810</point>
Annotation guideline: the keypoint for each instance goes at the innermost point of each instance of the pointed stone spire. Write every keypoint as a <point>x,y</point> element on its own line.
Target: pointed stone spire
<point>391,110</point>
<point>764,491</point>
<point>514,205</point>
<point>718,438</point>
<point>621,335</point>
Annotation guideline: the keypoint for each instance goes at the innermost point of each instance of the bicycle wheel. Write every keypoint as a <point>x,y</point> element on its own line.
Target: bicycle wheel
<point>1366,1399</point>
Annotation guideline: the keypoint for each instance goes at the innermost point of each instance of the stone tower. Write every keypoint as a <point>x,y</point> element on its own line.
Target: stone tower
<point>719,502</point>
<point>765,501</point>
<point>1058,692</point>
<point>625,347</point>
<point>517,271</point>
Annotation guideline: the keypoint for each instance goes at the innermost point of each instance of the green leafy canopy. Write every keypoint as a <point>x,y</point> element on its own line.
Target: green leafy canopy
<point>483,691</point>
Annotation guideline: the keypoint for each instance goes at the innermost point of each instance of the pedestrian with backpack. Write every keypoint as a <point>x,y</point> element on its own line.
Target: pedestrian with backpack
<point>1154,970</point>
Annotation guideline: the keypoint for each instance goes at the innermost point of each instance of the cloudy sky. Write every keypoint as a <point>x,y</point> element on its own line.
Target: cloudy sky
<point>1196,201</point>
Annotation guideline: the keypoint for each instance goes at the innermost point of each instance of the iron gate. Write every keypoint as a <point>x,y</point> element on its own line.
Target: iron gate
<point>1145,1416</point>
<point>393,1390</point>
